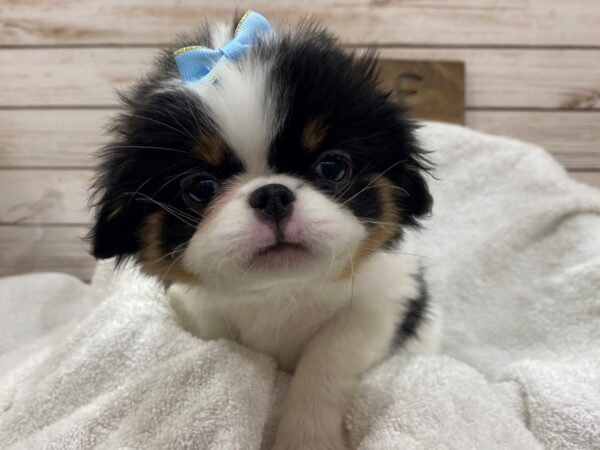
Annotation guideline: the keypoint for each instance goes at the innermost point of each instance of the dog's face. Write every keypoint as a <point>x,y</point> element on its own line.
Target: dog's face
<point>291,166</point>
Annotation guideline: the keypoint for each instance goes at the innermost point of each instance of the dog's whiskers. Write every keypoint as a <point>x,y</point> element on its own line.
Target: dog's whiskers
<point>161,123</point>
<point>372,182</point>
<point>181,215</point>
<point>149,147</point>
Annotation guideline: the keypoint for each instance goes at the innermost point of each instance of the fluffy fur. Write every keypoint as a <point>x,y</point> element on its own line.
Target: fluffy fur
<point>312,269</point>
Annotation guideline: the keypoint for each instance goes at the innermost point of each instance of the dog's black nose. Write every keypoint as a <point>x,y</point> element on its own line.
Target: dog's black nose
<point>273,201</point>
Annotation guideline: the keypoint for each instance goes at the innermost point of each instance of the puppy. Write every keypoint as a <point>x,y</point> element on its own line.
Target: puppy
<point>266,180</point>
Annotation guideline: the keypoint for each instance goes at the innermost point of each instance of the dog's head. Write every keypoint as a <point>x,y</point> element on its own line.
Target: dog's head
<point>292,165</point>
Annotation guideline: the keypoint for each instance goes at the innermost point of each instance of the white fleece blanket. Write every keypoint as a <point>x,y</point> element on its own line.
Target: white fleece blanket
<point>513,250</point>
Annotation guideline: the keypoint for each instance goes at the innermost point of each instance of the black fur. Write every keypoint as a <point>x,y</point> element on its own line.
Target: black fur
<point>141,169</point>
<point>323,81</point>
<point>415,314</point>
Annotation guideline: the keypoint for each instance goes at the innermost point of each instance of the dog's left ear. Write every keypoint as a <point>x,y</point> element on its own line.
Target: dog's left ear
<point>417,200</point>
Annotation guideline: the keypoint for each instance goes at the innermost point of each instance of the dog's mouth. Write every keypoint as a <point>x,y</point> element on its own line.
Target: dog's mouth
<point>280,255</point>
<point>282,247</point>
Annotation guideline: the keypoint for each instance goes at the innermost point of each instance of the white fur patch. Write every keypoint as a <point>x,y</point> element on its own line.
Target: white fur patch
<point>243,109</point>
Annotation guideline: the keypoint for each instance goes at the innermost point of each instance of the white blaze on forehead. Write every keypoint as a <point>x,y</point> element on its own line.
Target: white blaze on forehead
<point>243,108</point>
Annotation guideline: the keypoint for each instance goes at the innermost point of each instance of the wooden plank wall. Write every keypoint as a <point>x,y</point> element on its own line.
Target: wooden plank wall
<point>533,72</point>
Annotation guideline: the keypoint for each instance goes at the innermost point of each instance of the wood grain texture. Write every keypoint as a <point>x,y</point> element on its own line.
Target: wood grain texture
<point>58,77</point>
<point>67,138</point>
<point>521,78</point>
<point>44,196</point>
<point>506,78</point>
<point>492,22</point>
<point>45,249</point>
<point>573,137</point>
<point>47,138</point>
<point>591,178</point>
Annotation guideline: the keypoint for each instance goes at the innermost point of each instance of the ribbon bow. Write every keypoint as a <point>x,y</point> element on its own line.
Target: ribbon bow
<point>196,63</point>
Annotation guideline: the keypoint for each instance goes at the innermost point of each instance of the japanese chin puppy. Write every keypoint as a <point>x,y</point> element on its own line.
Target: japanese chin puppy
<point>274,196</point>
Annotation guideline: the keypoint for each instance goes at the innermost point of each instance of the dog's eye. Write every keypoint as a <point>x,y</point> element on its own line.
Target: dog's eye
<point>334,166</point>
<point>199,189</point>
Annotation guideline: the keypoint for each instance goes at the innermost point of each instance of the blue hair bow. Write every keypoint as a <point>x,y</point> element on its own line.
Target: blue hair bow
<point>196,63</point>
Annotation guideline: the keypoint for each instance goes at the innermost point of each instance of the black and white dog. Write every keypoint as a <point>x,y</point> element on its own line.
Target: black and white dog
<point>271,185</point>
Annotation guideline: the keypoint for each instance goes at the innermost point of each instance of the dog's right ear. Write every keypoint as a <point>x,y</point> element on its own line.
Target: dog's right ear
<point>115,232</point>
<point>119,215</point>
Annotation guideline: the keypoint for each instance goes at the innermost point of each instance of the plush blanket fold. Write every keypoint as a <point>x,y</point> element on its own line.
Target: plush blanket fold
<point>512,254</point>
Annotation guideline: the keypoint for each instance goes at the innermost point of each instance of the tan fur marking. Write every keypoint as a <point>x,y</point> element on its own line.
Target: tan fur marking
<point>381,232</point>
<point>155,261</point>
<point>168,267</point>
<point>313,134</point>
<point>210,148</point>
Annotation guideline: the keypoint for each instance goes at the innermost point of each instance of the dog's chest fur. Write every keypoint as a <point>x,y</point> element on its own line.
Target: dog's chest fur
<point>280,321</point>
<point>283,322</point>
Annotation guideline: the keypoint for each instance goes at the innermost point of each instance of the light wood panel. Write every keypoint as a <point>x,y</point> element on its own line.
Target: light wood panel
<point>591,178</point>
<point>572,137</point>
<point>521,78</point>
<point>58,77</point>
<point>47,138</point>
<point>508,22</point>
<point>507,78</point>
<point>54,249</point>
<point>44,196</point>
